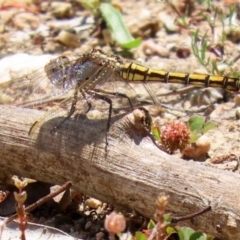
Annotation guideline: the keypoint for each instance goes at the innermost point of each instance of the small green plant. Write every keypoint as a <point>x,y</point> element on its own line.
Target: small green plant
<point>114,21</point>
<point>20,198</point>
<point>199,50</point>
<point>181,233</point>
<point>182,22</point>
<point>92,6</point>
<point>163,228</point>
<point>198,126</point>
<point>115,223</point>
<point>189,16</point>
<point>186,233</point>
<point>210,42</point>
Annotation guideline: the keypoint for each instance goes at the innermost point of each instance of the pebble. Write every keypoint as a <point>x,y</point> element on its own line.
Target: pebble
<point>93,203</point>
<point>88,225</point>
<point>68,39</point>
<point>99,236</point>
<point>61,9</point>
<point>197,150</point>
<point>237,100</point>
<point>237,113</point>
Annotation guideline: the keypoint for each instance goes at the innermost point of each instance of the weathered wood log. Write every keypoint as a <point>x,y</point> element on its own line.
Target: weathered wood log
<point>131,172</point>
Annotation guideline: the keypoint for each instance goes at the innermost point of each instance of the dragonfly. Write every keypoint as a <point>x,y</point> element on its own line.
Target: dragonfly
<point>85,75</point>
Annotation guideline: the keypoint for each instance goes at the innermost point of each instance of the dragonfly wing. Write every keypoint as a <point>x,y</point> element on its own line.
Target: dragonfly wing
<point>36,88</point>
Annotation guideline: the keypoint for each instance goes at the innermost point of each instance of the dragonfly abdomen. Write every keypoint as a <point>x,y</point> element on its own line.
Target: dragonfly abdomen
<point>136,72</point>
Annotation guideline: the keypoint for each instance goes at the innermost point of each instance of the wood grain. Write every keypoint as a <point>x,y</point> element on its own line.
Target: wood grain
<point>133,172</point>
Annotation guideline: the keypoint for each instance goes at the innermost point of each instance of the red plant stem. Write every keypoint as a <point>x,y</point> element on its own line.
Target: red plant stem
<point>64,187</point>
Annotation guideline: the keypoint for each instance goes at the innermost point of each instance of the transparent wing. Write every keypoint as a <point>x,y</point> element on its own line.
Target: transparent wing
<point>36,88</point>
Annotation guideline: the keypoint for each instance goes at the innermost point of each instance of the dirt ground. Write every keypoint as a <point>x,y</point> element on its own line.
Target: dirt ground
<point>36,28</point>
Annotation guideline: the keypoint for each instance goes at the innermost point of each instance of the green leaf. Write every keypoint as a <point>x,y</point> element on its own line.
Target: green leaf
<point>195,137</point>
<point>151,224</point>
<point>180,234</point>
<point>235,74</point>
<point>170,230</point>
<point>223,38</point>
<point>198,236</point>
<point>167,218</point>
<point>156,133</point>
<point>140,236</point>
<point>187,232</point>
<point>131,44</point>
<point>208,126</point>
<point>195,36</point>
<point>203,50</point>
<point>182,21</point>
<point>209,238</point>
<point>214,67</point>
<point>92,6</point>
<point>115,23</point>
<point>196,123</point>
<point>194,48</point>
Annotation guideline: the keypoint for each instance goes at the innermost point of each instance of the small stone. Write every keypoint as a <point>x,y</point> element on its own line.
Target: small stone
<point>183,52</point>
<point>150,47</point>
<point>237,100</point>
<point>99,236</point>
<point>61,9</point>
<point>197,150</point>
<point>88,225</point>
<point>237,113</point>
<point>78,225</point>
<point>233,35</point>
<point>93,203</point>
<point>68,39</point>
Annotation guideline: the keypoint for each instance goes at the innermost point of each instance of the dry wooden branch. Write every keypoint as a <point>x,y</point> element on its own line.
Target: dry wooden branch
<point>132,172</point>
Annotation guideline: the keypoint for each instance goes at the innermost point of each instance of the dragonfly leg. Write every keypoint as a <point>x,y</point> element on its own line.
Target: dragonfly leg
<point>122,95</point>
<point>109,101</point>
<point>88,103</point>
<point>98,94</point>
<point>72,110</point>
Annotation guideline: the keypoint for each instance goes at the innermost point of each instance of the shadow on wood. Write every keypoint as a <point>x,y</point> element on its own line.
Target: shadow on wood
<point>132,172</point>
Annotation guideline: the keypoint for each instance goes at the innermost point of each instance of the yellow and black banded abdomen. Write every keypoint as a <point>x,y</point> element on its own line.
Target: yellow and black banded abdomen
<point>137,72</point>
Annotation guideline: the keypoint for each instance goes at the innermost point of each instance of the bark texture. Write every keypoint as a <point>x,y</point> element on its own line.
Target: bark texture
<point>131,172</point>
